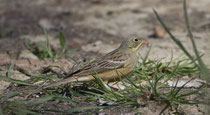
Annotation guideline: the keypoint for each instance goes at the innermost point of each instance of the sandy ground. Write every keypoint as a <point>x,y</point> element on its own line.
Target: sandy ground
<point>108,22</point>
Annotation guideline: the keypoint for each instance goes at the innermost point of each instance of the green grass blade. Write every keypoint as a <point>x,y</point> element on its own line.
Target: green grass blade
<point>188,102</point>
<point>54,111</point>
<point>1,32</point>
<point>178,42</point>
<point>96,94</point>
<point>187,23</point>
<point>191,93</point>
<point>15,81</point>
<point>120,78</point>
<point>179,89</point>
<point>66,100</point>
<point>10,94</point>
<point>79,109</point>
<point>172,92</point>
<point>62,41</point>
<point>23,111</point>
<point>101,83</point>
<point>132,83</point>
<point>74,93</point>
<point>156,82</point>
<point>189,31</point>
<point>1,112</point>
<point>170,76</point>
<point>151,84</point>
<point>147,55</point>
<point>37,102</point>
<point>10,69</point>
<point>48,48</point>
<point>202,66</point>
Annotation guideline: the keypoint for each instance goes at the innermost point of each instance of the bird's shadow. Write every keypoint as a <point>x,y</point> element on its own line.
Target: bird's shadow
<point>83,89</point>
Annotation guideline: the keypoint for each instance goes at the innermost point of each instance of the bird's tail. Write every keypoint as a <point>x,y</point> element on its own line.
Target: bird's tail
<point>61,82</point>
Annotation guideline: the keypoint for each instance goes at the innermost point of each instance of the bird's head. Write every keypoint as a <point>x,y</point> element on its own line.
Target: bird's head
<point>133,43</point>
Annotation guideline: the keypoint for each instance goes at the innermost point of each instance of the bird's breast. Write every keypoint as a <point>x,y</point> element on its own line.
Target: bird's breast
<point>111,75</point>
<point>131,62</point>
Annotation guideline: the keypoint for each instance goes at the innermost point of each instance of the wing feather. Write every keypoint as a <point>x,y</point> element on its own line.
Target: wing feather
<point>112,60</point>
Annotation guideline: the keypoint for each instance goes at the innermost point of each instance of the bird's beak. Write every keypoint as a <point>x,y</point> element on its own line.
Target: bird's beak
<point>144,42</point>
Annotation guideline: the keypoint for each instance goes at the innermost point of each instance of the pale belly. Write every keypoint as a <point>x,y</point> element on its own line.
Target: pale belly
<point>111,75</point>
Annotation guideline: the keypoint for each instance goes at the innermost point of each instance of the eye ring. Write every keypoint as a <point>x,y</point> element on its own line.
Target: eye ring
<point>135,40</point>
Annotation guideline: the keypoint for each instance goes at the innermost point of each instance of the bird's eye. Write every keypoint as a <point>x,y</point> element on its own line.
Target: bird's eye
<point>135,40</point>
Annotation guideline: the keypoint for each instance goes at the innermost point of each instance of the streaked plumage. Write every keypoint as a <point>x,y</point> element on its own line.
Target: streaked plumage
<point>122,60</point>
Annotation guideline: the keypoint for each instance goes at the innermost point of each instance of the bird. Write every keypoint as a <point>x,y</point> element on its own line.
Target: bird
<point>118,63</point>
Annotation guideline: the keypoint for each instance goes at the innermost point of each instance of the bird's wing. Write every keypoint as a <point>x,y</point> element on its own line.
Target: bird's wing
<point>110,61</point>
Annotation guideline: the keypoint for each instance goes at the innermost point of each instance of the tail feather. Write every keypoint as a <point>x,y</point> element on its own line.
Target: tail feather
<point>71,79</point>
<point>61,82</point>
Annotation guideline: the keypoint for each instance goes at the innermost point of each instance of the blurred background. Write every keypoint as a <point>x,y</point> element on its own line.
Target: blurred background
<point>98,26</point>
